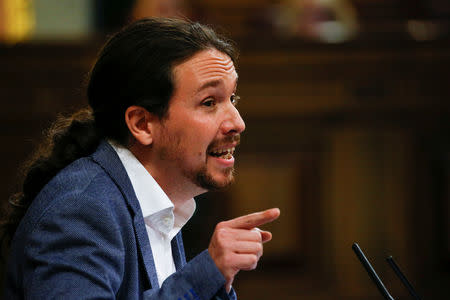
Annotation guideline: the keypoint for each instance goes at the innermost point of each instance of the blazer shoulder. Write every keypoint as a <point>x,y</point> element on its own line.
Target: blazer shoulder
<point>81,185</point>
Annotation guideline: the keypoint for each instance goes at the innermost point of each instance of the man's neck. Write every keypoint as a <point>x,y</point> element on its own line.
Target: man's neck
<point>177,187</point>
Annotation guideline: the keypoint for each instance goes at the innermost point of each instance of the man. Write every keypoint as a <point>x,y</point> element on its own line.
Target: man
<point>164,129</point>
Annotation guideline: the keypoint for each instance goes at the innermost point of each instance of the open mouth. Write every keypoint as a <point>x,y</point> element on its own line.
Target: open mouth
<point>222,153</point>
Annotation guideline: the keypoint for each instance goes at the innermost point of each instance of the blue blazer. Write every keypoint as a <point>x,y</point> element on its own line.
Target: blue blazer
<point>84,237</point>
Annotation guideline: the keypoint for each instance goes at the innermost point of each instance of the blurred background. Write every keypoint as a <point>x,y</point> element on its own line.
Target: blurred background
<point>347,106</point>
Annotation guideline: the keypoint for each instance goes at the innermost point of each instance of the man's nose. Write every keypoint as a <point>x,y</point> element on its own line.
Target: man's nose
<point>233,122</point>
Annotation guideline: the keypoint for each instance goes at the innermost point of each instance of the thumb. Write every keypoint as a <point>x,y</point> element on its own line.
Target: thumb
<point>265,235</point>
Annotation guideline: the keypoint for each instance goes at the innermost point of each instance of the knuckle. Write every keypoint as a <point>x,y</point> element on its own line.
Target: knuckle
<point>220,225</point>
<point>254,259</point>
<point>253,262</point>
<point>221,233</point>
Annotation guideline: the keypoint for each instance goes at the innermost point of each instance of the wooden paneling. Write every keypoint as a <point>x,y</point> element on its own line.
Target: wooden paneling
<point>333,137</point>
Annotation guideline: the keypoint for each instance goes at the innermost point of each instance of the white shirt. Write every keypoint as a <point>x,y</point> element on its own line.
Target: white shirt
<point>162,220</point>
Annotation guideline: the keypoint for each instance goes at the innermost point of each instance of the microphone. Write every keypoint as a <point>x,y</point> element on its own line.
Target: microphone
<point>371,272</point>
<point>402,277</point>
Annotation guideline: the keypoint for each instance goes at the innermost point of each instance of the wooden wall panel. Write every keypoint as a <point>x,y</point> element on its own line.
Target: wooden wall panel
<point>337,132</point>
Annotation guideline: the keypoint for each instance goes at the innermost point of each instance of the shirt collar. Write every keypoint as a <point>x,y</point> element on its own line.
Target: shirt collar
<point>157,209</point>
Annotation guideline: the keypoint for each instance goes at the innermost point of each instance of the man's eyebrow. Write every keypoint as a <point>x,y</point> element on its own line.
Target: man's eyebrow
<point>213,83</point>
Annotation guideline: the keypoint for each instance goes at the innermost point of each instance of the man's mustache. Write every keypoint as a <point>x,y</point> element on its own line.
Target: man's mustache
<point>225,141</point>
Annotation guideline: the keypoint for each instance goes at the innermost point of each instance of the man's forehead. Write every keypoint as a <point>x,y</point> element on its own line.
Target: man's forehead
<point>212,57</point>
<point>208,67</point>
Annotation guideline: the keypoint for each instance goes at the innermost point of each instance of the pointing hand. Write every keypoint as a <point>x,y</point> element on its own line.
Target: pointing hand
<point>237,244</point>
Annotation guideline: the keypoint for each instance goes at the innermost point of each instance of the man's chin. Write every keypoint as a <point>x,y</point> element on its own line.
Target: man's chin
<point>214,183</point>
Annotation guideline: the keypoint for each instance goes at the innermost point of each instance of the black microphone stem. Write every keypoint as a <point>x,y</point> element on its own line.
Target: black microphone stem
<point>370,270</point>
<point>402,277</point>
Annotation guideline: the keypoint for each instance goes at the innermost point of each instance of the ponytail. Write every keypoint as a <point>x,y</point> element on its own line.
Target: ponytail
<point>66,140</point>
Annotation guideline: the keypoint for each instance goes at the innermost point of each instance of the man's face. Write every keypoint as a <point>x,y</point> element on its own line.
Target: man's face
<point>196,141</point>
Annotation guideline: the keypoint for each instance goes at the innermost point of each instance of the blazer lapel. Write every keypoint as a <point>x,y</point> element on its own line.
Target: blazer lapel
<point>107,158</point>
<point>178,254</point>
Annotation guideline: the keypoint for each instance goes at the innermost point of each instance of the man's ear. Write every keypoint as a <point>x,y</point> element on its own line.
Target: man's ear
<point>140,123</point>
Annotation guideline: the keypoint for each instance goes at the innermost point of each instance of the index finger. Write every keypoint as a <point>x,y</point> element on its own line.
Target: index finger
<point>256,219</point>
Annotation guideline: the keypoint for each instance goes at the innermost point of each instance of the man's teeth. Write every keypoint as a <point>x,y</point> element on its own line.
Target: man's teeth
<point>223,153</point>
<point>228,156</point>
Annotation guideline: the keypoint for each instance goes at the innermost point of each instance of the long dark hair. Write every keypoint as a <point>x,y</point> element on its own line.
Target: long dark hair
<point>134,68</point>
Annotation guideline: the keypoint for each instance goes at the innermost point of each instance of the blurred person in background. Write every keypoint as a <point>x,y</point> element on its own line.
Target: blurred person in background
<point>105,199</point>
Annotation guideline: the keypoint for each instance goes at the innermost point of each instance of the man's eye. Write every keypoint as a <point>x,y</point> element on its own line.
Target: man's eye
<point>235,99</point>
<point>209,102</point>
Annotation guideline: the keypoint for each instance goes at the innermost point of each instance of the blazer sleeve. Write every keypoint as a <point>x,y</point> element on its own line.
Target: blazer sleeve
<point>199,279</point>
<point>74,251</point>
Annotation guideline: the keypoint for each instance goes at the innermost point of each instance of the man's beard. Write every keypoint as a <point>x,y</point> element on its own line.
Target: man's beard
<point>207,182</point>
<point>199,176</point>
